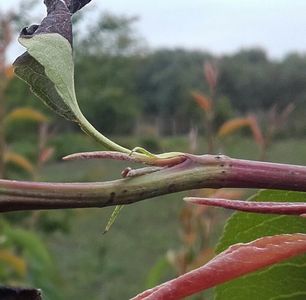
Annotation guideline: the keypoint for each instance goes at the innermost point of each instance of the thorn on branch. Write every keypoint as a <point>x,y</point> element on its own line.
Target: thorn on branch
<point>283,208</point>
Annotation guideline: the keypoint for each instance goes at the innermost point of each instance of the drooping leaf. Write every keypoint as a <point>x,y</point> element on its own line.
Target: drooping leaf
<point>25,113</point>
<point>47,66</point>
<point>18,160</point>
<point>282,281</point>
<point>232,125</point>
<point>58,64</point>
<point>33,73</point>
<point>234,262</point>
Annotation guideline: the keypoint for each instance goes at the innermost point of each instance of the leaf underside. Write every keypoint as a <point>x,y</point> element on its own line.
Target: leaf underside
<point>33,73</point>
<point>47,66</point>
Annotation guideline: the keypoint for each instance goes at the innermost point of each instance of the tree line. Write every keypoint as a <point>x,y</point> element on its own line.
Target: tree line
<point>124,87</point>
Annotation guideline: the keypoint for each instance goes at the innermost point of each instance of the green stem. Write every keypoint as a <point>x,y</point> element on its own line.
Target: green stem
<point>99,137</point>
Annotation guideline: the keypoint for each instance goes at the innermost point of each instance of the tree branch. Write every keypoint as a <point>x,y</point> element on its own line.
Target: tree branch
<point>194,172</point>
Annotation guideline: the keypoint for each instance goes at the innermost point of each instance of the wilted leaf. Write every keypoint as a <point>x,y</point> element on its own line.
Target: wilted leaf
<point>234,262</point>
<point>282,281</point>
<point>58,19</point>
<point>19,160</point>
<point>25,113</point>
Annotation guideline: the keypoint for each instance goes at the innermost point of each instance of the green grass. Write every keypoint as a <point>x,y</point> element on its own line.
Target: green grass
<point>115,266</point>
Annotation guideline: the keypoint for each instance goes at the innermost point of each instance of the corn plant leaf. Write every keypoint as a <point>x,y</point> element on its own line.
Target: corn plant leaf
<point>282,281</point>
<point>234,262</point>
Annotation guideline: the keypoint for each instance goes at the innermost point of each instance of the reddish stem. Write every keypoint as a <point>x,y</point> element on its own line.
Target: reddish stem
<point>190,172</point>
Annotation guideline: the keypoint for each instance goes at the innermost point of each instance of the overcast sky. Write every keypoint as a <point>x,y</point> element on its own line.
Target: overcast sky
<point>220,26</point>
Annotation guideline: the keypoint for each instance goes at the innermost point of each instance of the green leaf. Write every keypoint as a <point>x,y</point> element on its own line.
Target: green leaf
<point>282,281</point>
<point>113,218</point>
<point>42,271</point>
<point>31,245</point>
<point>48,68</point>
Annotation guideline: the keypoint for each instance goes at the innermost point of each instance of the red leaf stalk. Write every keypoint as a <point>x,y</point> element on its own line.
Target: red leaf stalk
<point>232,263</point>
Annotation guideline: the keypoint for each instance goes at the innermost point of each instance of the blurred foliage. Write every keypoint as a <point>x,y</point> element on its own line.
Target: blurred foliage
<point>24,259</point>
<point>130,86</point>
<point>25,254</point>
<point>154,86</point>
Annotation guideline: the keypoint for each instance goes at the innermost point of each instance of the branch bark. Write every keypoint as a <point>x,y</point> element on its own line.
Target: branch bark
<point>194,172</point>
